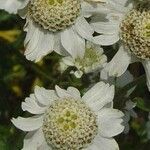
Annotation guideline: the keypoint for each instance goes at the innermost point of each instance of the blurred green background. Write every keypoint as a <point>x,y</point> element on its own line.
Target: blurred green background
<point>19,76</point>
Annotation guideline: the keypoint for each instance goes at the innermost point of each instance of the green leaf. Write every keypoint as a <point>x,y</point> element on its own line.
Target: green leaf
<point>4,134</point>
<point>4,16</point>
<point>3,145</point>
<point>142,104</point>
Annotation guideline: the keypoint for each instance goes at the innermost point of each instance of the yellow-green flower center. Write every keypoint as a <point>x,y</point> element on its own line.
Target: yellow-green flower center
<point>67,120</point>
<point>69,125</point>
<point>147,29</point>
<point>54,15</point>
<point>135,30</point>
<point>93,59</point>
<point>52,2</point>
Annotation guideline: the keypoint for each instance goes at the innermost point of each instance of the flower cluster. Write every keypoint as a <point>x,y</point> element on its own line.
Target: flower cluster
<point>80,31</point>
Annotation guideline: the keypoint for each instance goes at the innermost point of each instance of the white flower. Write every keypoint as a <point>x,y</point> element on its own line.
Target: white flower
<point>93,60</point>
<point>129,25</point>
<point>53,25</point>
<point>65,120</point>
<point>129,112</point>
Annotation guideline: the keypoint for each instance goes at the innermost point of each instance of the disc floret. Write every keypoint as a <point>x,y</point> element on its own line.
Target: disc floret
<point>135,30</point>
<point>54,15</point>
<point>69,124</point>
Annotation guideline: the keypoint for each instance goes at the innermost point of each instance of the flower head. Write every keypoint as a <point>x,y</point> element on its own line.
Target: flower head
<point>69,124</point>
<point>53,25</point>
<point>93,60</point>
<point>54,15</point>
<point>65,120</point>
<point>128,24</point>
<point>135,30</point>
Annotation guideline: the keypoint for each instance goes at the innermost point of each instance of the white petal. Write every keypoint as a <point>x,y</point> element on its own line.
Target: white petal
<point>30,28</point>
<point>90,8</point>
<point>31,105</point>
<point>86,7</point>
<point>104,75</point>
<point>44,96</point>
<point>38,42</point>
<point>44,146</point>
<point>62,66</point>
<point>73,43</point>
<point>12,6</point>
<point>115,17</point>
<point>126,129</point>
<point>119,64</point>
<point>106,40</point>
<point>135,59</point>
<point>74,92</point>
<point>146,65</point>
<point>23,12</point>
<point>58,48</point>
<point>78,73</point>
<point>24,3</point>
<point>124,79</point>
<point>28,124</point>
<point>133,114</point>
<point>126,119</point>
<point>68,61</point>
<point>120,2</point>
<point>33,140</point>
<point>93,146</point>
<point>120,6</point>
<point>99,95</point>
<point>110,122</point>
<point>62,93</point>
<point>101,143</point>
<point>130,105</point>
<point>84,29</point>
<point>105,27</point>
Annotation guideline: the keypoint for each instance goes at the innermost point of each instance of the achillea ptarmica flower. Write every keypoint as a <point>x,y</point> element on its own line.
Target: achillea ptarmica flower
<point>53,25</point>
<point>93,60</point>
<point>128,24</point>
<point>64,120</point>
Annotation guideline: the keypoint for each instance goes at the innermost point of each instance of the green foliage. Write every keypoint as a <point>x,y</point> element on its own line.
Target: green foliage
<point>141,104</point>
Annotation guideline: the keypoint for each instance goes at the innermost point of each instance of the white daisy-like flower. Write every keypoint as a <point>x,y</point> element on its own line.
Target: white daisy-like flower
<point>128,110</point>
<point>64,120</point>
<point>128,24</point>
<point>53,25</point>
<point>94,60</point>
